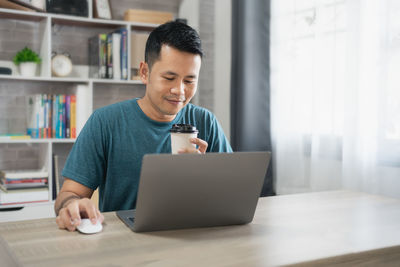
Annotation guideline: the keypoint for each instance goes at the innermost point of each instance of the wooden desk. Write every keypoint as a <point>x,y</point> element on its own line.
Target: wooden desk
<point>337,227</point>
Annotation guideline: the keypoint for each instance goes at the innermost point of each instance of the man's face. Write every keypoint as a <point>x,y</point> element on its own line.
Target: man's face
<point>171,84</point>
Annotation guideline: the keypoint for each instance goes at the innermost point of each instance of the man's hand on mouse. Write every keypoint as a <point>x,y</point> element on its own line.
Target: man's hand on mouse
<point>69,217</point>
<point>202,147</point>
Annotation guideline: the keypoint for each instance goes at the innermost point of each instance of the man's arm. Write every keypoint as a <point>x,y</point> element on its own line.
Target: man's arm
<point>72,203</point>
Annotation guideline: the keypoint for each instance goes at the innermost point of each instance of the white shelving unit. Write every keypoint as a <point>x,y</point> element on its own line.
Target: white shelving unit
<point>80,85</point>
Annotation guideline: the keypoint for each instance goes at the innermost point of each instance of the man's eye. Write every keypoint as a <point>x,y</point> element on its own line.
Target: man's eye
<point>189,82</point>
<point>169,78</point>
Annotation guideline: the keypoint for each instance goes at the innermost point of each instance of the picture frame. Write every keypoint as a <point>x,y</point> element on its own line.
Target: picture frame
<point>102,9</point>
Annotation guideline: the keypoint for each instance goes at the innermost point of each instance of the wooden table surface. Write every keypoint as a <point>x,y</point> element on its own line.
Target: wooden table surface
<point>329,228</point>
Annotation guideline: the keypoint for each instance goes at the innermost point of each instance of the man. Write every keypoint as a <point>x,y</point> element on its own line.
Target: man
<point>109,150</point>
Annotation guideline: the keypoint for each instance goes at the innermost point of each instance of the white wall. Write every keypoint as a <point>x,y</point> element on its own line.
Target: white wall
<point>219,99</point>
<point>222,59</point>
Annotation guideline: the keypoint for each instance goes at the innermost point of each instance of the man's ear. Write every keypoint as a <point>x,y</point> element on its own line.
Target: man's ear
<point>144,72</point>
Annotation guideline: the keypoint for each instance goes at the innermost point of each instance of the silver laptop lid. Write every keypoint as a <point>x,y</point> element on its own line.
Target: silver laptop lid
<point>194,190</point>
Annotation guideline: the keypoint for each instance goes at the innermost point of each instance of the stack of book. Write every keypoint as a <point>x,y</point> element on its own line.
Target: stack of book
<point>25,186</point>
<point>16,136</point>
<point>51,116</point>
<point>108,55</point>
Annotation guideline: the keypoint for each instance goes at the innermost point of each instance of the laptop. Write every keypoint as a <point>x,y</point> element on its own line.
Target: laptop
<point>197,190</point>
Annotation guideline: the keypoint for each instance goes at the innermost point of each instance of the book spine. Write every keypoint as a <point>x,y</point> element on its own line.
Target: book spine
<point>63,118</point>
<point>60,116</point>
<point>49,114</point>
<point>37,115</point>
<point>103,55</point>
<point>109,57</point>
<point>67,116</point>
<point>124,54</point>
<point>54,116</point>
<point>41,117</point>
<point>116,57</point>
<point>26,180</point>
<point>45,119</point>
<point>73,116</point>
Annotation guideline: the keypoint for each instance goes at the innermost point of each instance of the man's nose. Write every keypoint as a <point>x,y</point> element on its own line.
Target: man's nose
<point>179,88</point>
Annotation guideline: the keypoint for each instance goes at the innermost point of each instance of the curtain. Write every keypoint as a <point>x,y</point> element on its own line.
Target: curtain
<point>335,95</point>
<point>250,105</point>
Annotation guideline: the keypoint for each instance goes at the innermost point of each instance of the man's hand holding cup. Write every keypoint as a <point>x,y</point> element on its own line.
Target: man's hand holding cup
<point>184,140</point>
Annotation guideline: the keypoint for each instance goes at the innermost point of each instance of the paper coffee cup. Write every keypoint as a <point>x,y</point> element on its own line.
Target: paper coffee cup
<point>180,137</point>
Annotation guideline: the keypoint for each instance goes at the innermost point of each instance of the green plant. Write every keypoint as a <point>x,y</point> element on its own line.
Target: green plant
<point>26,55</point>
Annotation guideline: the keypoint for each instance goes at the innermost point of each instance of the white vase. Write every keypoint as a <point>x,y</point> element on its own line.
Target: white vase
<point>28,69</point>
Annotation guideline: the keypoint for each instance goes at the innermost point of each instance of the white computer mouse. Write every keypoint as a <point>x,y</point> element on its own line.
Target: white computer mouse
<point>86,227</point>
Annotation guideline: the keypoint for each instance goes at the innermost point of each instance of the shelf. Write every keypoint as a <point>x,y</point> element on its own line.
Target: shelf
<point>43,79</point>
<point>69,80</point>
<point>47,32</point>
<point>41,203</point>
<point>21,15</point>
<point>72,20</point>
<point>111,81</point>
<point>38,141</point>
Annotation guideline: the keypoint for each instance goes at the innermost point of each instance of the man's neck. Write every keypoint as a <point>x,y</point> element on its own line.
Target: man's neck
<point>152,112</point>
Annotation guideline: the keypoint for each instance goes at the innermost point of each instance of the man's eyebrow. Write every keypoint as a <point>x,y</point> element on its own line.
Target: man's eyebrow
<point>170,73</point>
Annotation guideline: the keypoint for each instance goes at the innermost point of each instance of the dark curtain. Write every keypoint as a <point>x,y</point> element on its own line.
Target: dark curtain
<point>250,82</point>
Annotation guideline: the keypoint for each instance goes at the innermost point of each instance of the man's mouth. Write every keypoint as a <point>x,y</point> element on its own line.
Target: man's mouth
<point>175,101</point>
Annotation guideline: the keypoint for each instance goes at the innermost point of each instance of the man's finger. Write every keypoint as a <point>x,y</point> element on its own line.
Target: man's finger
<point>66,220</point>
<point>88,206</point>
<point>100,216</point>
<point>188,151</point>
<point>201,143</point>
<point>73,209</point>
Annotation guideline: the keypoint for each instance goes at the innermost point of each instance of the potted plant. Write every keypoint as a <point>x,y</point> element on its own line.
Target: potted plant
<point>27,60</point>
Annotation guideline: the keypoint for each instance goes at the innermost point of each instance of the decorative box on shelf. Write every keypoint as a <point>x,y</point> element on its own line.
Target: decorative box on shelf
<point>147,16</point>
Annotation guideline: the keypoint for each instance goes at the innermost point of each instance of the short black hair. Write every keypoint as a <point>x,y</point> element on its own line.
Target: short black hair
<point>175,34</point>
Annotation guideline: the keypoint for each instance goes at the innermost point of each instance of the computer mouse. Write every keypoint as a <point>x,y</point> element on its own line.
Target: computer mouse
<point>86,227</point>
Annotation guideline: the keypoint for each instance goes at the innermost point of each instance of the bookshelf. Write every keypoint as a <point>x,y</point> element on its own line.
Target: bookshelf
<point>46,33</point>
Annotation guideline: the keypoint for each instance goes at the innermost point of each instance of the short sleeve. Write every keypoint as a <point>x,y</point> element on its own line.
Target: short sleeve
<point>86,162</point>
<point>217,141</point>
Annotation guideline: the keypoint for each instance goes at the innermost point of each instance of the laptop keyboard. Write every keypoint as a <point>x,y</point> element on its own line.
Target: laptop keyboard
<point>131,219</point>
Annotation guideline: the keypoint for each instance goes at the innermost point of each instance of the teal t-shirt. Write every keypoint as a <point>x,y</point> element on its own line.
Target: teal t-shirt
<point>109,150</point>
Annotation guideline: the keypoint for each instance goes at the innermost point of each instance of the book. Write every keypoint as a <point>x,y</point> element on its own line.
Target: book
<point>67,116</point>
<point>7,137</point>
<point>22,196</point>
<point>59,116</point>
<point>49,115</point>
<point>109,56</point>
<point>45,117</point>
<point>54,113</point>
<point>83,106</point>
<point>73,116</point>
<point>41,116</point>
<point>63,115</point>
<point>124,53</point>
<point>23,174</point>
<point>25,185</point>
<point>147,16</point>
<point>116,55</point>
